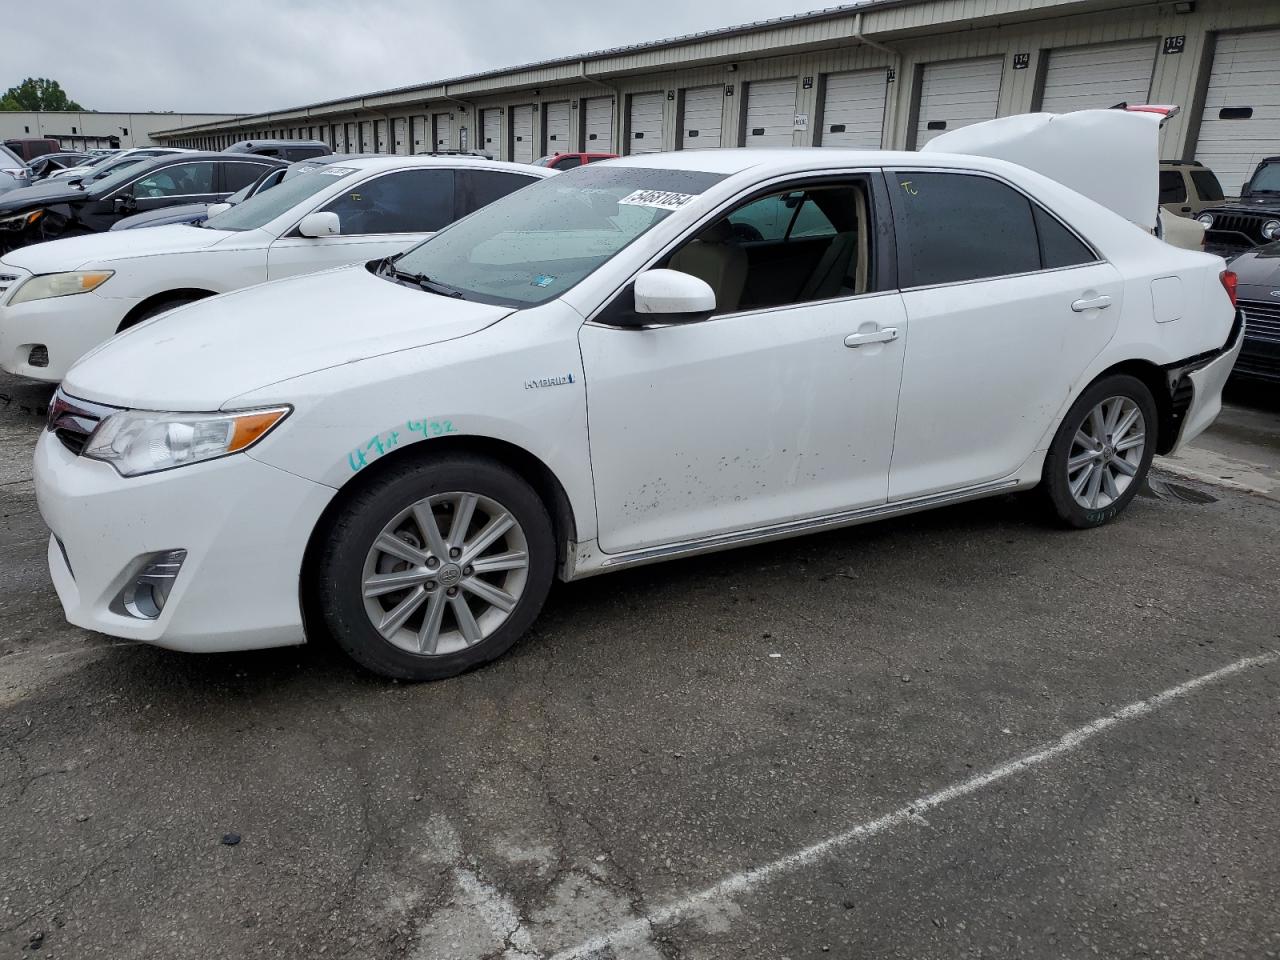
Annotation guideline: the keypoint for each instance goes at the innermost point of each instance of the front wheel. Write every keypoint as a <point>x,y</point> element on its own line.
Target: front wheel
<point>436,568</point>
<point>1101,453</point>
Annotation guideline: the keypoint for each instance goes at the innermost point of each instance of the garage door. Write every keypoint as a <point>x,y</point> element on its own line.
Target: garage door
<point>1241,120</point>
<point>522,145</point>
<point>956,94</point>
<point>443,124</point>
<point>401,136</point>
<point>1087,78</point>
<point>645,123</point>
<point>491,125</point>
<point>559,129</point>
<point>380,135</point>
<point>366,136</point>
<point>853,109</point>
<point>771,113</point>
<point>597,124</point>
<point>703,118</point>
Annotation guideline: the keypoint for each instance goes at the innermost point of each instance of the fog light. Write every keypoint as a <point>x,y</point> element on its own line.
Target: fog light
<point>39,356</point>
<point>145,596</point>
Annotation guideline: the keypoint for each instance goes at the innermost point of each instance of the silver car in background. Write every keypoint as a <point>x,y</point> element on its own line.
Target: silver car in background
<point>14,172</point>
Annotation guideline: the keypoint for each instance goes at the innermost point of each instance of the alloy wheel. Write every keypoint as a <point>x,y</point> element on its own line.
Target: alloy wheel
<point>445,573</point>
<point>1106,453</point>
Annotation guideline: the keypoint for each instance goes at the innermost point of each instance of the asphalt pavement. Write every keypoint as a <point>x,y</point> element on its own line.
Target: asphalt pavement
<point>955,734</point>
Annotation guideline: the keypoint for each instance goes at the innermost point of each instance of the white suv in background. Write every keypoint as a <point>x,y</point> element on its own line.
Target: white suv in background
<point>60,299</point>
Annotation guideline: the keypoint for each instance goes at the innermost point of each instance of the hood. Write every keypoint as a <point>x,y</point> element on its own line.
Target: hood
<point>186,213</point>
<point>200,356</point>
<point>1259,203</point>
<point>39,194</point>
<point>1110,156</point>
<point>1259,268</point>
<point>70,253</point>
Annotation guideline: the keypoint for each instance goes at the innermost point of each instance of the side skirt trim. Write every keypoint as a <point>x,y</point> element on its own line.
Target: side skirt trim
<point>586,559</point>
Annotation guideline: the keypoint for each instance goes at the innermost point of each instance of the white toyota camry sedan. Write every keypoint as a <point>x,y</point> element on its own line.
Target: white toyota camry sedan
<point>642,359</point>
<point>61,298</point>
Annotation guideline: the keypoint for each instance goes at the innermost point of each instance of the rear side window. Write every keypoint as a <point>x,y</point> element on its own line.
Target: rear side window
<point>303,153</point>
<point>1172,188</point>
<point>1207,185</point>
<point>955,227</point>
<point>1059,247</point>
<point>479,188</point>
<point>567,163</point>
<point>237,176</point>
<point>409,201</point>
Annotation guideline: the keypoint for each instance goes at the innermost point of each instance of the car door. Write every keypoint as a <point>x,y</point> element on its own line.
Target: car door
<point>1007,306</point>
<point>378,217</point>
<point>769,410</point>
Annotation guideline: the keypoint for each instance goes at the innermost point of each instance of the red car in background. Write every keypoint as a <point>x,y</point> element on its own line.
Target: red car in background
<point>566,161</point>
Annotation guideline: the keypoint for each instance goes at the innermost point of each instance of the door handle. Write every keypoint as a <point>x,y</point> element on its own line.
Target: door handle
<point>883,335</point>
<point>1096,303</point>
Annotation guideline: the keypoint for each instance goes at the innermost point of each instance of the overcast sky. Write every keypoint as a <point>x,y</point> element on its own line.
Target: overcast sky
<point>258,55</point>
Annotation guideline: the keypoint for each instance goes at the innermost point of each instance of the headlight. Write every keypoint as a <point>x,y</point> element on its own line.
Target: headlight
<point>60,285</point>
<point>20,221</point>
<point>1206,219</point>
<point>1271,229</point>
<point>144,441</point>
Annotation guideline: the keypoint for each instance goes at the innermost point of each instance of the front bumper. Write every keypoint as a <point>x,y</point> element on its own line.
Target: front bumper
<point>1205,376</point>
<point>68,328</point>
<point>244,525</point>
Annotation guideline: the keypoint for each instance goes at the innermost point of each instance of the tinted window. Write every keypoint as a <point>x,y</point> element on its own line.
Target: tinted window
<point>179,180</point>
<point>1207,185</point>
<point>1059,247</point>
<point>956,227</point>
<point>479,188</point>
<point>237,176</point>
<point>302,153</point>
<point>1172,189</point>
<point>411,201</point>
<point>567,163</point>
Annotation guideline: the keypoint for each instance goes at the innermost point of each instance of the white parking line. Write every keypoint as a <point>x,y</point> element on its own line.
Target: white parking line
<point>638,930</point>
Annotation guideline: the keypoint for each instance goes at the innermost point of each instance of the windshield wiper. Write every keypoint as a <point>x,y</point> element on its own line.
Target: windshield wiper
<point>387,265</point>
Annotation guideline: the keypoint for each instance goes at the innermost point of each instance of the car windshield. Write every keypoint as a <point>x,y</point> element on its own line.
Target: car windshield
<point>262,208</point>
<point>1266,180</point>
<point>8,156</point>
<point>119,173</point>
<point>533,245</point>
<point>543,161</point>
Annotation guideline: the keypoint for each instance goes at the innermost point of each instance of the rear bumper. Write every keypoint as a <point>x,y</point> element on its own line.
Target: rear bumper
<point>1197,383</point>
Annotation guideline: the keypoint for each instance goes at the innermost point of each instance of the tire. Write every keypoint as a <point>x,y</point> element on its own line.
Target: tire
<point>1101,453</point>
<point>164,306</point>
<point>434,639</point>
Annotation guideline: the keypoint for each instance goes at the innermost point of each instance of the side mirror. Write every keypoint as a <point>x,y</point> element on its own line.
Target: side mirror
<point>320,225</point>
<point>216,208</point>
<point>672,294</point>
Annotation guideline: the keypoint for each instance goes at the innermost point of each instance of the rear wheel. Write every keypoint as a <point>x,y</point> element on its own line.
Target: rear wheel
<point>1102,452</point>
<point>436,568</point>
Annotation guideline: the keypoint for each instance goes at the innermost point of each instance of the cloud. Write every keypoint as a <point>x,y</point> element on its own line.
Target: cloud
<point>259,55</point>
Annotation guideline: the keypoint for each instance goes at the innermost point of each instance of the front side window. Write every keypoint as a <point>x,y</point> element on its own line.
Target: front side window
<point>786,248</point>
<point>179,180</point>
<point>567,162</point>
<point>409,201</point>
<point>1172,187</point>
<point>263,207</point>
<point>533,245</point>
<point>954,227</point>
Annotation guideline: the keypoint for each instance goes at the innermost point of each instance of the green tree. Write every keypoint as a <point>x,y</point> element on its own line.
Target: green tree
<point>37,94</point>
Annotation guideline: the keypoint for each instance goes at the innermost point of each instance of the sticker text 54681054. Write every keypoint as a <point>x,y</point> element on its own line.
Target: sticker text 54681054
<point>383,443</point>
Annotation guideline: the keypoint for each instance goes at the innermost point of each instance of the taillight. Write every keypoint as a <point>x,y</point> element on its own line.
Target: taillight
<point>1229,283</point>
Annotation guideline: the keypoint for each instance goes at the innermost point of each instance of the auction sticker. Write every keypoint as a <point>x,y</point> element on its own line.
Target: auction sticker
<point>660,199</point>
